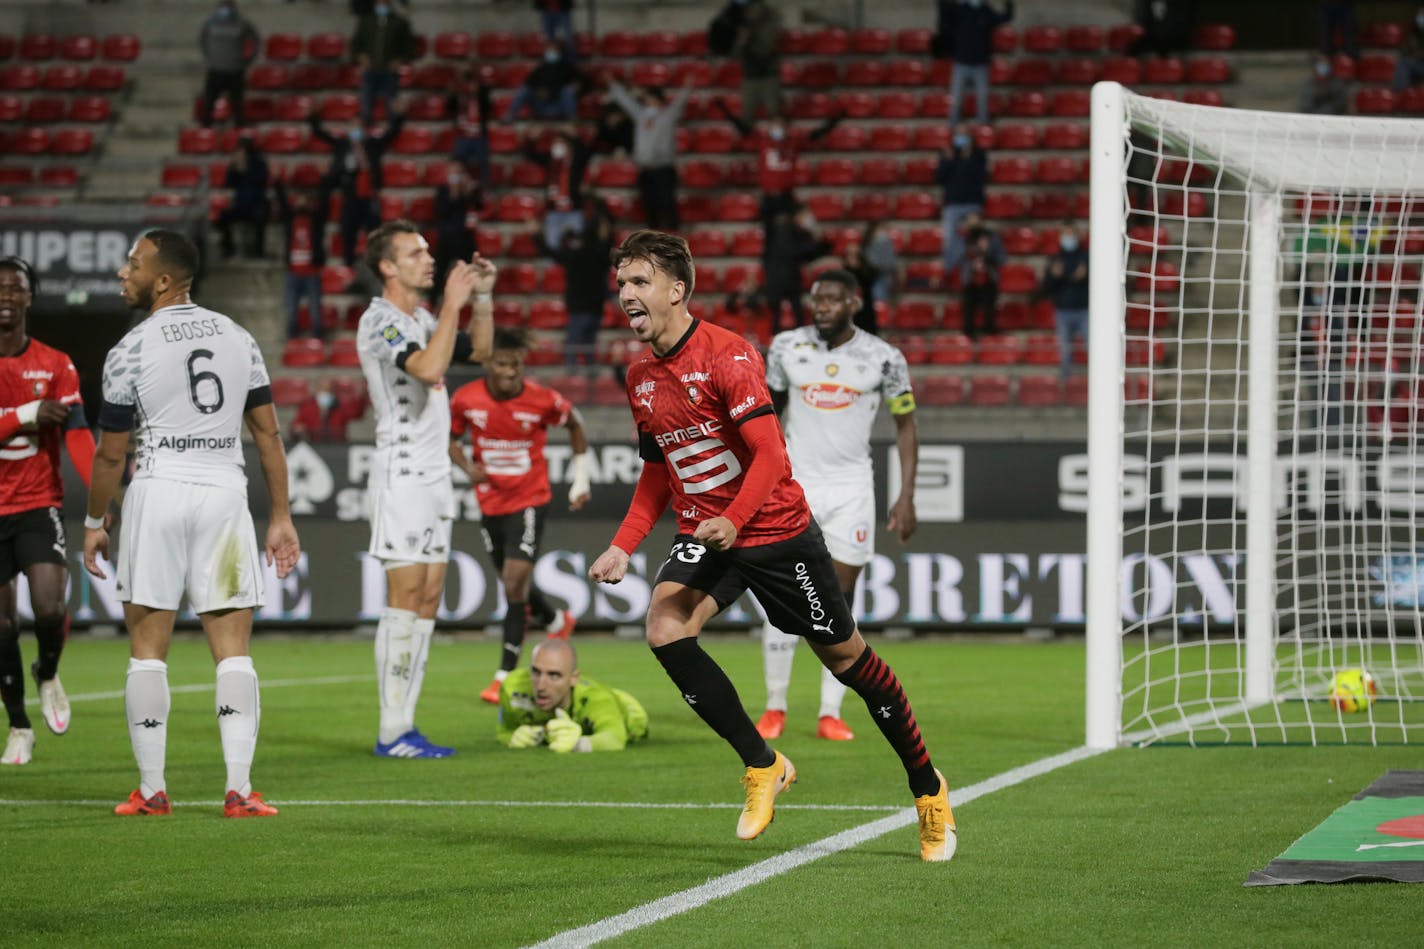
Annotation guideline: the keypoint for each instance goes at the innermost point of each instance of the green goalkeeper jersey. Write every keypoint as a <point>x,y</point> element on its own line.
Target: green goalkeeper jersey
<point>610,718</point>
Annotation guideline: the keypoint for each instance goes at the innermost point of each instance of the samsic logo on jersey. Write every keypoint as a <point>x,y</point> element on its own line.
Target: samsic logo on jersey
<point>829,396</point>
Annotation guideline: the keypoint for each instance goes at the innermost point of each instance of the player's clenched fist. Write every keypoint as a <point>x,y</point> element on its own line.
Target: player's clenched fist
<point>717,533</point>
<point>527,736</point>
<point>460,282</point>
<point>610,566</point>
<point>485,273</point>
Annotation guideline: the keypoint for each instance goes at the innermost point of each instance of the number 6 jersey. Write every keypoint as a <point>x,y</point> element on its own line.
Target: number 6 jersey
<point>181,381</point>
<point>688,406</point>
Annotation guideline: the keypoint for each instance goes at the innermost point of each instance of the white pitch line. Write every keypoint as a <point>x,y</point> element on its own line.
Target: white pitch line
<point>619,805</point>
<point>677,903</point>
<point>209,686</point>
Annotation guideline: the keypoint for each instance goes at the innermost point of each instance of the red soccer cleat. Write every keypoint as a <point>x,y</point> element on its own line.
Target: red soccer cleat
<point>137,805</point>
<point>562,625</point>
<point>833,729</point>
<point>772,724</point>
<point>251,806</point>
<point>491,693</point>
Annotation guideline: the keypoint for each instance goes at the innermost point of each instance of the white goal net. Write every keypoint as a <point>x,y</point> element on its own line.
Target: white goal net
<point>1256,412</point>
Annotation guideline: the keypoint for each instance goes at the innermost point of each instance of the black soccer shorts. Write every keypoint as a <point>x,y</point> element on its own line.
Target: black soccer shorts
<point>794,580</point>
<point>31,537</point>
<point>514,536</point>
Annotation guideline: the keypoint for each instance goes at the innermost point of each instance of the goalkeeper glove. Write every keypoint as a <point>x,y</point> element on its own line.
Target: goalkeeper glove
<point>564,733</point>
<point>527,736</point>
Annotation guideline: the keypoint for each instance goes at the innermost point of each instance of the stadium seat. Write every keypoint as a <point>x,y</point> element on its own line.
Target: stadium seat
<point>181,176</point>
<point>952,349</point>
<point>326,46</point>
<point>1042,39</point>
<point>915,41</point>
<point>1168,71</point>
<point>267,76</point>
<point>661,43</point>
<point>917,171</point>
<point>714,139</point>
<point>990,390</point>
<point>832,42</point>
<point>748,242</point>
<point>343,353</point>
<point>857,105</point>
<point>869,206</point>
<point>1027,104</point>
<point>618,44</point>
<point>197,141</point>
<point>701,174</point>
<point>870,41</point>
<point>548,314</point>
<point>1039,391</point>
<point>61,78</point>
<point>1070,103</point>
<point>289,390</point>
<point>864,72</point>
<point>14,175</point>
<point>1120,69</point>
<point>693,43</point>
<point>19,77</point>
<point>494,44</point>
<point>72,141</point>
<point>44,109</point>
<point>283,47</point>
<point>940,390</point>
<point>120,47</point>
<point>78,47</point>
<point>1122,36</point>
<point>453,45</point>
<point>1005,39</point>
<point>707,243</point>
<point>932,138</point>
<point>835,172</point>
<point>1016,171</point>
<point>917,206</point>
<point>1058,170</point>
<point>12,108</point>
<point>1031,72</point>
<point>1375,67</point>
<point>1218,37</point>
<point>1040,349</point>
<point>414,140</point>
<point>827,205</point>
<point>37,47</point>
<point>1005,205</point>
<point>1066,135</point>
<point>1210,97</point>
<point>284,139</point>
<point>1083,39</point>
<point>1387,34</point>
<point>999,349</point>
<point>1077,72</point>
<point>1143,352</point>
<point>299,353</point>
<point>737,206</point>
<point>89,109</point>
<point>1016,135</point>
<point>1050,205</point>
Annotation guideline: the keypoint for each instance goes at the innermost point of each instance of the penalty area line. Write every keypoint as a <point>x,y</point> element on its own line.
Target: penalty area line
<point>677,903</point>
<point>210,686</point>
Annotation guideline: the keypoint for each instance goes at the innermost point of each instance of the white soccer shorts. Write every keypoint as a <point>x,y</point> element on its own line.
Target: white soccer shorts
<point>846,513</point>
<point>178,538</point>
<point>411,523</point>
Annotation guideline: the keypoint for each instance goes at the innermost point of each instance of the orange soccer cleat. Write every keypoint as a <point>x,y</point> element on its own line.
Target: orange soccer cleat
<point>763,785</point>
<point>833,729</point>
<point>138,805</point>
<point>491,693</point>
<point>938,836</point>
<point>562,626</point>
<point>251,806</point>
<point>772,724</point>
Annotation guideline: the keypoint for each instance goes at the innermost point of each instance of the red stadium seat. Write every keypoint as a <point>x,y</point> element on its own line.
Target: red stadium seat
<point>870,41</point>
<point>1032,72</point>
<point>290,390</point>
<point>849,138</point>
<point>1375,67</point>
<point>869,206</point>
<point>707,243</point>
<point>326,46</point>
<point>618,44</point>
<point>548,314</point>
<point>914,41</point>
<point>1004,205</point>
<point>940,390</point>
<point>72,141</point>
<point>835,172</point>
<point>737,206</point>
<point>1219,37</point>
<point>1122,36</point>
<point>916,206</point>
<point>1040,349</point>
<point>714,139</point>
<point>494,44</point>
<point>1015,135</point>
<point>1067,136</point>
<point>44,109</point>
<point>1070,103</point>
<point>89,109</point>
<point>453,45</point>
<point>1120,69</point>
<point>1042,39</point>
<point>62,78</point>
<point>267,76</point>
<point>14,175</point>
<point>1047,205</point>
<point>915,315</point>
<point>1077,72</point>
<point>283,47</point>
<point>932,138</point>
<point>1027,104</point>
<point>303,352</point>
<point>181,176</point>
<point>1084,39</point>
<point>19,77</point>
<point>662,43</point>
<point>1017,278</point>
<point>120,47</point>
<point>702,174</point>
<point>414,140</point>
<point>827,205</point>
<point>197,141</point>
<point>1005,39</point>
<point>343,353</point>
<point>12,108</point>
<point>284,139</point>
<point>889,138</point>
<point>1017,171</point>
<point>1039,390</point>
<point>991,390</point>
<point>37,47</point>
<point>1164,72</point>
<point>820,74</point>
<point>832,42</point>
<point>1386,34</point>
<point>78,47</point>
<point>864,72</point>
<point>1058,170</point>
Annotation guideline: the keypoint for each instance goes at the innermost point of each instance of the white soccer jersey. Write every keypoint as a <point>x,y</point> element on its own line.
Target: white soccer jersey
<point>187,373</point>
<point>834,394</point>
<point>412,419</point>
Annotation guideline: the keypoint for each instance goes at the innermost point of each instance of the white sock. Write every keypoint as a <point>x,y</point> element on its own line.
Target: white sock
<point>501,674</point>
<point>146,702</point>
<point>422,630</point>
<point>833,691</point>
<point>777,651</point>
<point>239,709</point>
<point>394,637</point>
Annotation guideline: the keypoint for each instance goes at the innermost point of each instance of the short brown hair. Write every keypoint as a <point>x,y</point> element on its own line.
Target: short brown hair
<point>666,252</point>
<point>379,241</point>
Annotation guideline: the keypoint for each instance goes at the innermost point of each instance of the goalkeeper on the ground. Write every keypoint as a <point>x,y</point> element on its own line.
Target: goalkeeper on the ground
<point>548,704</point>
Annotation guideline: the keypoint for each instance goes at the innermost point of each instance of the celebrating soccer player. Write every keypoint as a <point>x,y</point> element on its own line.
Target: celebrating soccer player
<point>39,400</point>
<point>550,704</point>
<point>712,447</point>
<point>183,382</point>
<point>508,418</point>
<point>838,375</point>
<point>405,352</point>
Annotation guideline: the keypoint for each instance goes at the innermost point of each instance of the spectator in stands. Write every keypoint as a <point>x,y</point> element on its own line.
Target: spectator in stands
<point>383,41</point>
<point>757,48</point>
<point>247,176</point>
<point>1166,27</point>
<point>1337,28</point>
<point>853,262</point>
<point>748,298</point>
<point>550,90</point>
<point>229,44</point>
<point>614,132</point>
<point>321,417</point>
<point>790,244</point>
<point>583,253</point>
<point>882,254</point>
<point>1323,92</point>
<point>564,158</point>
<point>778,148</point>
<point>556,18</point>
<point>355,172</point>
<point>655,118</point>
<point>1409,67</point>
<point>979,276</point>
<point>468,105</point>
<point>304,224</point>
<point>962,173</point>
<point>459,202</point>
<point>969,26</point>
<point>1065,283</point>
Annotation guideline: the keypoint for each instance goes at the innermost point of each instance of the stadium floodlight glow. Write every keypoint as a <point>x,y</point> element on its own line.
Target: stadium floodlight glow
<point>1256,401</point>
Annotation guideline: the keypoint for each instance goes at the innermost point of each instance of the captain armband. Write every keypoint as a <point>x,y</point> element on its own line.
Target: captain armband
<point>901,404</point>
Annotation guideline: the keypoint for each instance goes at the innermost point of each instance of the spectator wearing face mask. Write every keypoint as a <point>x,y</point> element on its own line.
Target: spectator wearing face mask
<point>655,118</point>
<point>565,160</point>
<point>550,91</point>
<point>962,173</point>
<point>969,26</point>
<point>1323,92</point>
<point>583,253</point>
<point>1065,283</point>
<point>229,44</point>
<point>321,417</point>
<point>778,148</point>
<point>381,44</point>
<point>355,171</point>
<point>979,277</point>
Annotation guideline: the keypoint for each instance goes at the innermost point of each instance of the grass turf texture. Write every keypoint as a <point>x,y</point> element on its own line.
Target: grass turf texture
<point>1137,847</point>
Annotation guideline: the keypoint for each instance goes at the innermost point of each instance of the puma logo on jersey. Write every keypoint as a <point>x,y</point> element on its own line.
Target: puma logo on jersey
<point>742,358</point>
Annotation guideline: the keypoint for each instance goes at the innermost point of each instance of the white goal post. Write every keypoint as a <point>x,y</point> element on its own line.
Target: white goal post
<point>1256,420</point>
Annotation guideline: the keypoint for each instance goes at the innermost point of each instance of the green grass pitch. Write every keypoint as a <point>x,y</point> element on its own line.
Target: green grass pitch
<point>1139,847</point>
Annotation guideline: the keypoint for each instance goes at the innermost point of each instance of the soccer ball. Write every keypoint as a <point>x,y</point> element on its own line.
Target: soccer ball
<point>1352,690</point>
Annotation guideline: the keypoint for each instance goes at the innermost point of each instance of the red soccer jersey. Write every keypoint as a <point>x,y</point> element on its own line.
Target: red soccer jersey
<point>509,437</point>
<point>690,404</point>
<point>29,462</point>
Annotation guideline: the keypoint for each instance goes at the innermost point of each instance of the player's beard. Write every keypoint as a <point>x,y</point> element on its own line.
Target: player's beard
<point>143,298</point>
